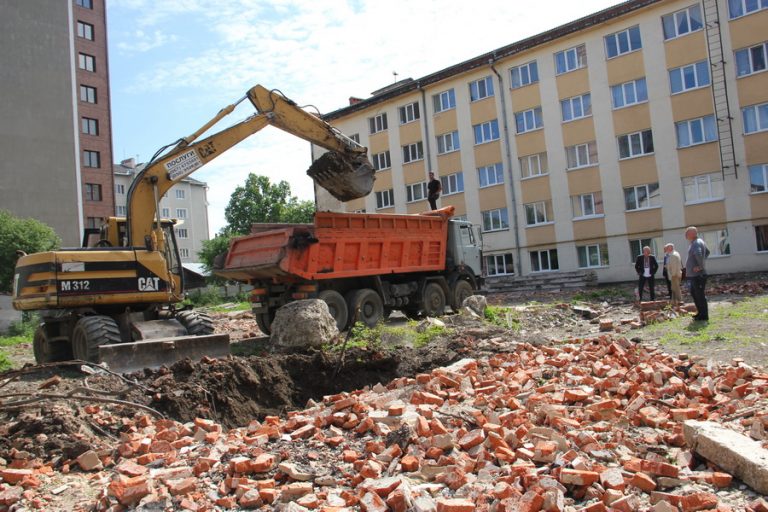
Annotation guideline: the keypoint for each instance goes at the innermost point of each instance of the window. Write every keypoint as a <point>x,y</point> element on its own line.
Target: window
<point>93,222</point>
<point>182,233</point>
<point>581,155</point>
<point>499,265</point>
<point>452,184</point>
<point>718,242</point>
<point>89,126</point>
<point>121,210</point>
<point>682,22</point>
<point>528,120</point>
<point>85,30</point>
<point>538,213</point>
<point>702,188</point>
<point>480,89</point>
<point>413,152</point>
<point>696,131</point>
<point>446,100</point>
<point>181,213</point>
<point>416,192</point>
<point>636,247</point>
<point>576,107</point>
<point>689,77</point>
<point>635,144</point>
<point>595,255</point>
<point>495,220</point>
<point>166,213</point>
<point>587,205</point>
<point>377,123</point>
<point>629,93</point>
<point>524,75</point>
<point>119,188</point>
<point>409,113</point>
<point>755,118</point>
<point>490,175</point>
<point>181,193</point>
<point>385,199</point>
<point>758,178</point>
<point>87,94</point>
<point>88,4</point>
<point>751,60</point>
<point>382,161</point>
<point>486,132</point>
<point>86,62</point>
<point>623,42</point>
<point>642,197</point>
<point>570,59</point>
<point>355,137</point>
<point>544,261</point>
<point>91,159</point>
<point>738,8</point>
<point>448,142</point>
<point>183,252</point>
<point>761,237</point>
<point>92,192</point>
<point>533,165</point>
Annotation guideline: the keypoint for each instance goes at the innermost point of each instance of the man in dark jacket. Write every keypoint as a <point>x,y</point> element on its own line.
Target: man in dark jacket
<point>646,267</point>
<point>696,272</point>
<point>434,187</point>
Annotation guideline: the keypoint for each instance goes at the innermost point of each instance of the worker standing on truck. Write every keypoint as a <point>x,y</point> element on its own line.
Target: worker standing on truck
<point>433,190</point>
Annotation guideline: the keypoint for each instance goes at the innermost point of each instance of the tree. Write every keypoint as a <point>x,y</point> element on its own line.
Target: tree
<point>28,235</point>
<point>258,200</point>
<point>214,247</point>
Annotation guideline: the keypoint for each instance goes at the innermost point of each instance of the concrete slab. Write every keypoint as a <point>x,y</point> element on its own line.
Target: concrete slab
<point>735,453</point>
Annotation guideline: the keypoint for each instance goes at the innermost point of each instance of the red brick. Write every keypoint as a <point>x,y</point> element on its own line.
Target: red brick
<point>612,479</point>
<point>409,463</point>
<point>399,500</point>
<point>349,456</point>
<point>263,463</point>
<point>181,486</point>
<point>472,439</point>
<point>578,477</point>
<point>14,476</point>
<point>643,482</point>
<point>594,507</point>
<point>699,501</point>
<point>372,502</point>
<point>129,491</point>
<point>455,505</point>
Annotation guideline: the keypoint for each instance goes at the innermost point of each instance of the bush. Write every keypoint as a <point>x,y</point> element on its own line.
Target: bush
<point>16,234</point>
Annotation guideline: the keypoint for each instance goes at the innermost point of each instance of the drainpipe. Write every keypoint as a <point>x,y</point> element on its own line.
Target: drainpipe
<point>427,153</point>
<point>508,151</point>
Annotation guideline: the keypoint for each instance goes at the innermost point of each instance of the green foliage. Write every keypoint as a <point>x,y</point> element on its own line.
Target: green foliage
<point>429,334</point>
<point>213,248</point>
<point>384,336</point>
<point>28,235</point>
<point>502,316</point>
<point>204,297</point>
<point>601,294</point>
<point>363,336</point>
<point>5,363</point>
<point>258,200</point>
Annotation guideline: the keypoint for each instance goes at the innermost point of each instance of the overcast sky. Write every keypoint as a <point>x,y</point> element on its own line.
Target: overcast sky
<point>175,63</point>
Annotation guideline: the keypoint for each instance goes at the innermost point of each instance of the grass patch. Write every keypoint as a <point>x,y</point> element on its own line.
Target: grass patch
<point>383,336</point>
<point>229,307</point>
<point>210,297</point>
<point>503,316</point>
<point>5,363</point>
<point>601,294</point>
<point>20,332</point>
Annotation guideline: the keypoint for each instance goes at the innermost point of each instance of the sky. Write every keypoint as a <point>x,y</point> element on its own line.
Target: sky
<point>175,63</point>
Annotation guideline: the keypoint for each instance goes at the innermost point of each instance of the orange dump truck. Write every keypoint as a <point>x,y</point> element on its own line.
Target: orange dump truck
<point>363,266</point>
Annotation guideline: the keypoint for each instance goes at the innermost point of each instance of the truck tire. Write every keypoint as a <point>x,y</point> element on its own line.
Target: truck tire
<point>89,333</point>
<point>366,306</point>
<point>337,307</point>
<point>264,321</point>
<point>460,291</point>
<point>197,324</point>
<point>434,300</point>
<point>48,352</point>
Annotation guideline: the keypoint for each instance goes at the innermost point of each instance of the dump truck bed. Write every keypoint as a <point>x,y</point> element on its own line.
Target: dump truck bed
<point>341,245</point>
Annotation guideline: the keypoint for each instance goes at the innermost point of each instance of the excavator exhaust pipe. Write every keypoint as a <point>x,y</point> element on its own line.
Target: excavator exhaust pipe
<point>345,178</point>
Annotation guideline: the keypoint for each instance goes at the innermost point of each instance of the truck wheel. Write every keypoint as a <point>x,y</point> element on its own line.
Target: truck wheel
<point>264,321</point>
<point>89,333</point>
<point>366,306</point>
<point>197,324</point>
<point>434,300</point>
<point>48,352</point>
<point>337,307</point>
<point>461,290</point>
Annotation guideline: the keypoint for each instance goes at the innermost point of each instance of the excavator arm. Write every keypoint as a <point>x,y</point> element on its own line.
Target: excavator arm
<point>344,171</point>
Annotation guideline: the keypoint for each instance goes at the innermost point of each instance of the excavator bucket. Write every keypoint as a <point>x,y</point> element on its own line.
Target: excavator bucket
<point>345,178</point>
<point>154,353</point>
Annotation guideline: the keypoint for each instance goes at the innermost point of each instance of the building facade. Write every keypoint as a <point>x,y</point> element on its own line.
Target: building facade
<point>55,116</point>
<point>575,148</point>
<point>187,202</point>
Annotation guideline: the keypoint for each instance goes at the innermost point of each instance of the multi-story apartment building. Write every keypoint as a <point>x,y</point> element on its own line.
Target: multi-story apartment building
<point>187,202</point>
<point>576,147</point>
<point>55,116</point>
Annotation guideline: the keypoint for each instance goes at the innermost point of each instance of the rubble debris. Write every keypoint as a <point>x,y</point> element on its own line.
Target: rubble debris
<point>476,304</point>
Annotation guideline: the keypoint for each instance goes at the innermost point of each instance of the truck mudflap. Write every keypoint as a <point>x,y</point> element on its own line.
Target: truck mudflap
<point>130,357</point>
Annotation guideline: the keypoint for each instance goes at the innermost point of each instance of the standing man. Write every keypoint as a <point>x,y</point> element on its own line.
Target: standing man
<point>433,190</point>
<point>665,273</point>
<point>646,267</point>
<point>674,268</point>
<point>696,273</point>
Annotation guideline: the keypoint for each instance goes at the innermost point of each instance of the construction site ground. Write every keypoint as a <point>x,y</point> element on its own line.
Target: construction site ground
<point>76,437</point>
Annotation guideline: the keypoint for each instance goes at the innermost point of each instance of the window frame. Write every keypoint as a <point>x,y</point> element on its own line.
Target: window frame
<point>697,181</point>
<point>182,233</point>
<point>378,124</point>
<point>706,125</point>
<point>763,4</point>
<point>623,91</point>
<point>408,149</point>
<point>452,183</point>
<point>380,196</point>
<point>444,140</point>
<point>496,170</point>
<point>444,101</point>
<point>720,242</point>
<point>85,4</point>
<point>538,120</point>
<point>676,24</point>
<point>758,124</point>
<point>650,197</point>
<point>761,238</point>
<point>616,37</point>
<point>492,129</point>
<point>504,264</point>
<point>475,93</point>
<point>181,213</point>
<point>568,107</point>
<point>643,143</point>
<point>89,156</point>
<point>181,193</point>
<point>590,146</point>
<point>763,170</point>
<point>409,113</point>
<point>410,188</point>
<point>121,210</point>
<point>697,68</point>
<point>749,51</point>
<point>376,161</point>
<point>543,170</point>
<point>86,62</point>
<point>89,126</point>
<point>580,59</point>
<point>93,192</point>
<point>531,68</point>
<point>502,217</point>
<point>183,252</point>
<point>602,255</point>
<point>84,30</point>
<point>85,94</point>
<point>653,243</point>
<point>553,265</point>
<point>119,189</point>
<point>537,208</point>
<point>165,213</point>
<point>597,205</point>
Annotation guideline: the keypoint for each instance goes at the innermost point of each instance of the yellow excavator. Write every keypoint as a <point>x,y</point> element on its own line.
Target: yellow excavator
<point>113,300</point>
